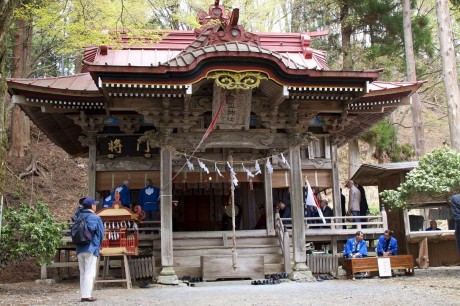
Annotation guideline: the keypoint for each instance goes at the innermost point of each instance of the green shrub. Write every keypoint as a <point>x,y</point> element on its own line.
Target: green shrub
<point>438,175</point>
<point>29,231</point>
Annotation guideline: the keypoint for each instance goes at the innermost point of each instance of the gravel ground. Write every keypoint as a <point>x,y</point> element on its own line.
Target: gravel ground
<point>435,286</point>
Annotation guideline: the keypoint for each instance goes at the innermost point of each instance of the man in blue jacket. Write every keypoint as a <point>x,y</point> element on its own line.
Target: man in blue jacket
<point>125,194</point>
<point>387,245</point>
<point>87,254</point>
<point>455,209</point>
<point>356,247</point>
<point>149,201</point>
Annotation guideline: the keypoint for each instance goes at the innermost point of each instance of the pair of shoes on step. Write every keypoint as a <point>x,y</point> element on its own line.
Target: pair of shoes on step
<point>90,299</point>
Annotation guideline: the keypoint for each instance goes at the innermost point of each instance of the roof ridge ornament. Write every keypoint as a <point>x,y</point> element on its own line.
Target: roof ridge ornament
<point>226,27</point>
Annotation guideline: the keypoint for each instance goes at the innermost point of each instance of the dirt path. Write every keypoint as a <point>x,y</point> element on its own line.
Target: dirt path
<point>436,286</point>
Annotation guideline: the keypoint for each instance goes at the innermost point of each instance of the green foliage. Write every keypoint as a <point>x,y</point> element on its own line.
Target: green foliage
<point>29,231</point>
<point>384,137</point>
<point>438,175</point>
<point>381,135</point>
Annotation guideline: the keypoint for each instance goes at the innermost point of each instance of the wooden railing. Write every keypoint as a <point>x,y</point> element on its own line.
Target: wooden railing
<point>283,237</point>
<point>314,226</point>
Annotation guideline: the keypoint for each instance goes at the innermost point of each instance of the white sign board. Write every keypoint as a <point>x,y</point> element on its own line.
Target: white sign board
<point>384,266</point>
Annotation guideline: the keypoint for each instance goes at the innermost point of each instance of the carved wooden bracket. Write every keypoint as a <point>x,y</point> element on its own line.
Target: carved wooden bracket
<point>340,123</point>
<point>88,140</point>
<point>157,139</point>
<point>88,124</point>
<point>300,138</point>
<point>129,124</point>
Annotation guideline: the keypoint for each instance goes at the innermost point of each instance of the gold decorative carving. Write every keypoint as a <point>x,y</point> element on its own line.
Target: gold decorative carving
<point>237,80</point>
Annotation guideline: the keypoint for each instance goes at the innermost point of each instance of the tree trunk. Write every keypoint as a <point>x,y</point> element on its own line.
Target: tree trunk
<point>449,71</point>
<point>6,11</point>
<point>416,106</point>
<point>346,31</point>
<point>78,62</point>
<point>20,124</point>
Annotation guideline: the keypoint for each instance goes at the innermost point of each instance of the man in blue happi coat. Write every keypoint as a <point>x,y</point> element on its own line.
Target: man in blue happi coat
<point>108,201</point>
<point>356,247</point>
<point>387,244</point>
<point>125,194</point>
<point>149,201</point>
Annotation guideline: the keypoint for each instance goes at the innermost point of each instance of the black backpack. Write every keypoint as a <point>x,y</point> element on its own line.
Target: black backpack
<point>79,232</point>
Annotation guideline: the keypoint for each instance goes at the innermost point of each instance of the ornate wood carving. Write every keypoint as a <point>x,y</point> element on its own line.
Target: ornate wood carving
<point>129,124</point>
<point>300,138</point>
<point>157,139</point>
<point>261,139</point>
<point>88,140</point>
<point>88,124</point>
<point>224,26</point>
<point>237,80</point>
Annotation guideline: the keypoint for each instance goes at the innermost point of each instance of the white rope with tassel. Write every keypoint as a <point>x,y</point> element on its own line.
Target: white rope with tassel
<point>283,159</point>
<point>257,167</point>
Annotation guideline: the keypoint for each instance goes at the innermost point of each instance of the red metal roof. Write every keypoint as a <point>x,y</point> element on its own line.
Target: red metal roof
<point>82,83</point>
<point>289,45</point>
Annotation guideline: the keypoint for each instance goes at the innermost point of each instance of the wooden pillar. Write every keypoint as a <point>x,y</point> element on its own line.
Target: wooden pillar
<point>167,274</point>
<point>336,197</point>
<point>269,202</point>
<point>353,158</point>
<point>92,152</point>
<point>300,270</point>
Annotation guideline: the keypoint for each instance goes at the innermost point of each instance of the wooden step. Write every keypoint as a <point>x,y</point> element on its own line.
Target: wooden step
<point>227,251</point>
<point>194,261</point>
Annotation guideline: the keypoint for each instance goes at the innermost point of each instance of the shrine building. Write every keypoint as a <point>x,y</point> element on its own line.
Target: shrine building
<point>188,109</point>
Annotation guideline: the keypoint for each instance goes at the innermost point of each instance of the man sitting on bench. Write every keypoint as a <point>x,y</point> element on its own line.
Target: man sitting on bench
<point>356,247</point>
<point>387,245</point>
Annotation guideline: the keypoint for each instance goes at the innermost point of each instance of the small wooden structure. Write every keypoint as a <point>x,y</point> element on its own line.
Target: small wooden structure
<point>120,231</point>
<point>120,240</point>
<point>439,246</point>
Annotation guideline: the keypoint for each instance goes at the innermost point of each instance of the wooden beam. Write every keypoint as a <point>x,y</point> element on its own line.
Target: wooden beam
<point>297,207</point>
<point>166,208</point>
<point>336,196</point>
<point>252,139</point>
<point>277,100</point>
<point>269,202</point>
<point>354,161</point>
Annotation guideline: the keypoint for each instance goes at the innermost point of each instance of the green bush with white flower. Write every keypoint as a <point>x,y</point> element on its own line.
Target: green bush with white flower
<point>437,176</point>
<point>29,231</point>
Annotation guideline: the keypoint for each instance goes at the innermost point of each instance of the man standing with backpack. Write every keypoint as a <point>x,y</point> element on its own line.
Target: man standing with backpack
<point>87,253</point>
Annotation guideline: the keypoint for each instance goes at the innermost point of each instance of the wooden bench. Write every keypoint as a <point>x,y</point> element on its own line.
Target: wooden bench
<point>370,264</point>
